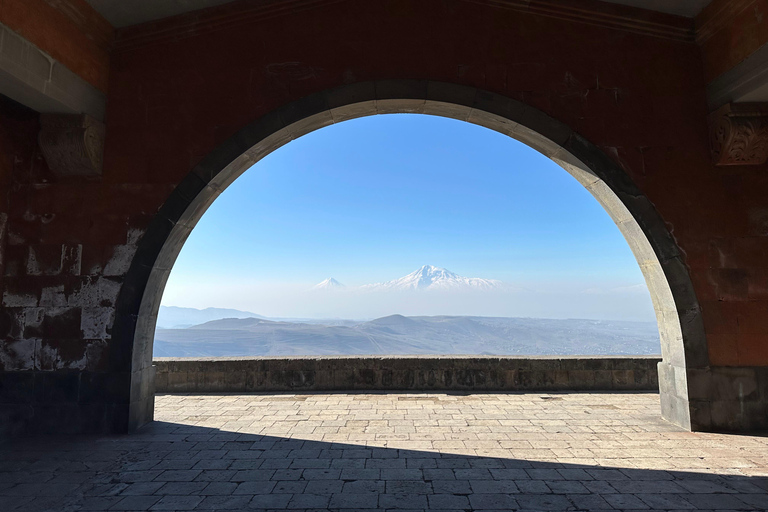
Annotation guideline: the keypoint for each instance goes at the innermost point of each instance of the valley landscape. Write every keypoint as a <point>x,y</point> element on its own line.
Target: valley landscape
<point>189,332</point>
<point>398,334</point>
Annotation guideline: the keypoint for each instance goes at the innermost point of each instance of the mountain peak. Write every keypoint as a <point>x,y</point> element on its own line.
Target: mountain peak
<point>432,278</point>
<point>328,284</point>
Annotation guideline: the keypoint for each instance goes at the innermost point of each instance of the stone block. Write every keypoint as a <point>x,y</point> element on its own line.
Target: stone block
<point>20,354</point>
<point>623,379</point>
<point>733,384</point>
<point>581,379</point>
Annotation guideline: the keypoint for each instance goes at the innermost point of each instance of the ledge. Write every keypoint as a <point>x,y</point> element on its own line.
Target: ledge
<point>352,373</point>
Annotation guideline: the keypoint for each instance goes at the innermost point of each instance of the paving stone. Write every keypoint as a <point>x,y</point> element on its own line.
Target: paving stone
<point>264,487</point>
<point>364,487</point>
<point>177,503</point>
<point>303,501</point>
<point>402,474</point>
<point>91,503</point>
<point>181,488</point>
<point>219,489</point>
<point>625,501</point>
<point>354,501</point>
<point>289,487</point>
<point>224,503</point>
<point>566,487</point>
<point>182,475</point>
<point>664,501</point>
<point>402,501</point>
<point>142,488</point>
<point>451,487</point>
<point>493,486</point>
<point>324,487</point>
<point>271,501</point>
<point>360,474</point>
<point>493,501</point>
<point>695,501</point>
<point>135,503</point>
<point>497,451</point>
<point>448,502</point>
<point>590,502</point>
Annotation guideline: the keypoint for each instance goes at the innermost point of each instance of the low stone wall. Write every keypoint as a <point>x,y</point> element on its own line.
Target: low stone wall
<point>470,373</point>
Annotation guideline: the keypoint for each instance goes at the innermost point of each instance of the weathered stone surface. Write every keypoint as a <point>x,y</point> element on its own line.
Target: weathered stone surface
<point>205,375</point>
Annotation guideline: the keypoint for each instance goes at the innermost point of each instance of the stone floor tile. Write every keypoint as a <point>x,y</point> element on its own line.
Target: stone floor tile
<point>448,502</point>
<point>625,501</point>
<point>589,502</point>
<point>181,488</point>
<point>451,487</point>
<point>289,487</point>
<point>354,501</point>
<point>402,501</point>
<point>665,501</point>
<point>135,503</point>
<point>493,486</point>
<point>324,487</point>
<point>493,501</point>
<point>307,501</point>
<point>260,487</point>
<point>402,474</point>
<point>715,501</point>
<point>270,501</point>
<point>360,474</point>
<point>177,503</point>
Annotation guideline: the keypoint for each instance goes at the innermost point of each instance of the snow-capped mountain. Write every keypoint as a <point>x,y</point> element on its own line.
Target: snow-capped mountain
<point>328,284</point>
<point>429,277</point>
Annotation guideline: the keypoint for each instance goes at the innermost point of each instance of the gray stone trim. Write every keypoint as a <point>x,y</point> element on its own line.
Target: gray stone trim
<point>35,79</point>
<point>423,373</point>
<point>738,83</point>
<point>678,313</point>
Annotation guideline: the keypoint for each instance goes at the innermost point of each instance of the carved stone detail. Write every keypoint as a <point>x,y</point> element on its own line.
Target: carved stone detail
<point>739,134</point>
<point>72,144</point>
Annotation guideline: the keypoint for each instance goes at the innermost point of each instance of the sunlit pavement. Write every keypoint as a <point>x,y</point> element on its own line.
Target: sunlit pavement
<point>392,451</point>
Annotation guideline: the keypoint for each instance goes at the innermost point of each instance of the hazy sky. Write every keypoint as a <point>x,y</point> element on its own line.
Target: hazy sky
<point>373,199</point>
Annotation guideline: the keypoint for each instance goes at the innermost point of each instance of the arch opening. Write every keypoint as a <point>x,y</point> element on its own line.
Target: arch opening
<point>403,234</point>
<point>682,340</point>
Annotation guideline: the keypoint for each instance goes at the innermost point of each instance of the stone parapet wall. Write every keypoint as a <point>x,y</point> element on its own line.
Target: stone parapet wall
<point>476,373</point>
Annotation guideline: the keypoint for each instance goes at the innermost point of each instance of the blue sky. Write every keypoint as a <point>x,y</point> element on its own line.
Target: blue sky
<point>373,199</point>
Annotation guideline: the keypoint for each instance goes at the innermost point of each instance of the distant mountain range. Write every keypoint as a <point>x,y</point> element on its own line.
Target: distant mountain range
<point>398,334</point>
<point>436,278</point>
<point>427,277</point>
<point>172,317</point>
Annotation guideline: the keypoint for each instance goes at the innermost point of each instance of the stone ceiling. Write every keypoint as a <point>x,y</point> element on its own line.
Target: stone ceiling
<point>126,13</point>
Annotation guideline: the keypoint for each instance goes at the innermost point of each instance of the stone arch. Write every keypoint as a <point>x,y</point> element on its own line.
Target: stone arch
<point>678,313</point>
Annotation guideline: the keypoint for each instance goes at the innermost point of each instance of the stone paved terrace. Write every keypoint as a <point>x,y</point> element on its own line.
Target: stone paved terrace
<point>459,452</point>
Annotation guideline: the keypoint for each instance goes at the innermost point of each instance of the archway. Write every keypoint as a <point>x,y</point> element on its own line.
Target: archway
<point>680,325</point>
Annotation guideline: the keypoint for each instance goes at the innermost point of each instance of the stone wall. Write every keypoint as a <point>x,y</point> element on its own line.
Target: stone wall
<point>467,373</point>
<point>184,91</point>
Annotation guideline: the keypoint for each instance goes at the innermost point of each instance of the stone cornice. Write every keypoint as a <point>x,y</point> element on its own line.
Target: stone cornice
<point>590,12</point>
<point>212,19</point>
<point>601,14</point>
